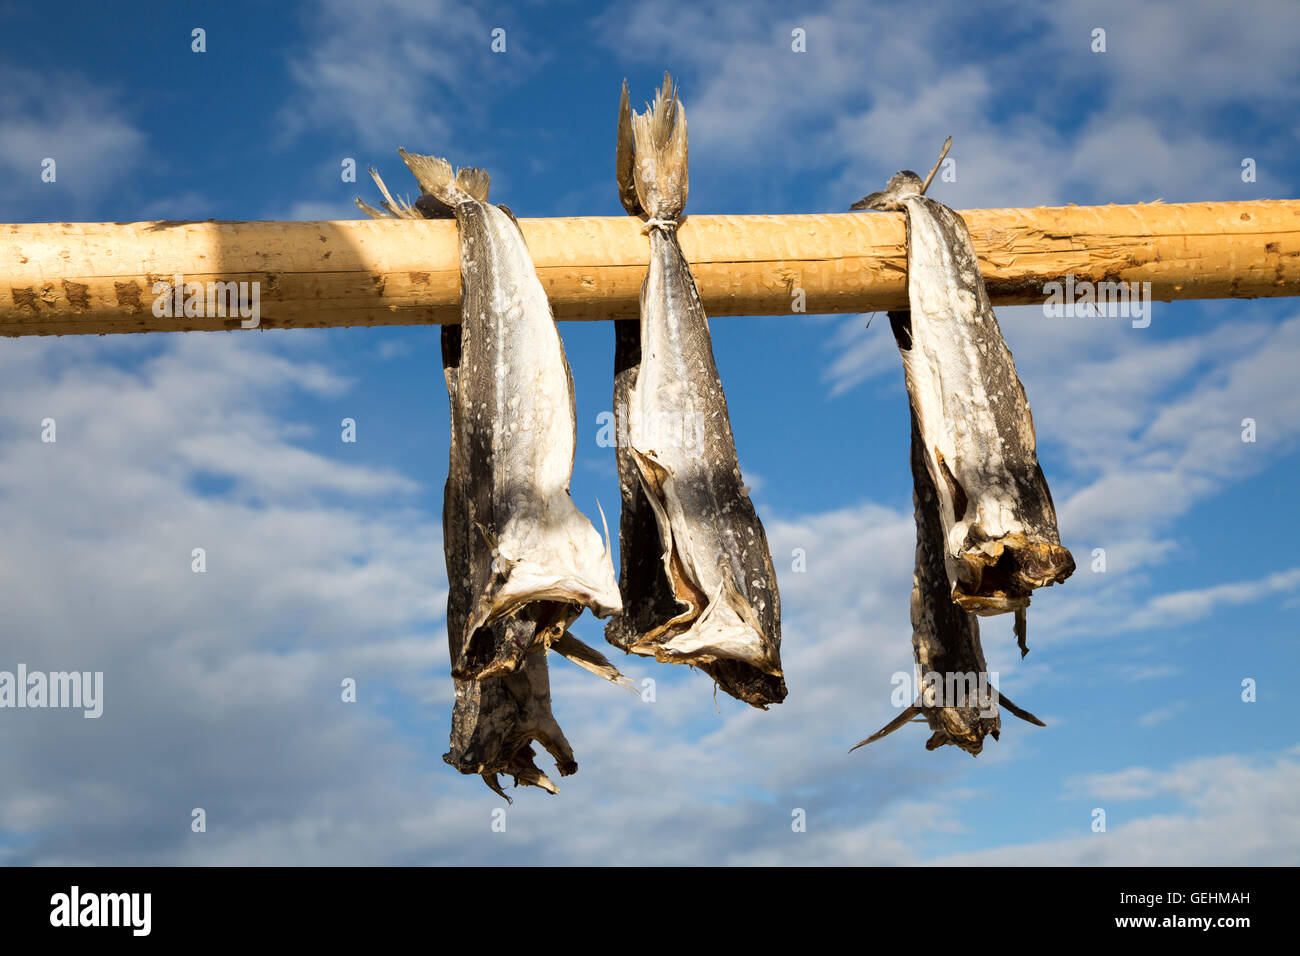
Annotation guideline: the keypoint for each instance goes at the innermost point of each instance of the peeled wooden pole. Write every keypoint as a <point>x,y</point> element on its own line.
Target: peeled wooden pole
<point>85,278</point>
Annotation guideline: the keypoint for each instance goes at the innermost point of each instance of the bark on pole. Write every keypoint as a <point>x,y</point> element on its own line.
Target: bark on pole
<point>87,278</point>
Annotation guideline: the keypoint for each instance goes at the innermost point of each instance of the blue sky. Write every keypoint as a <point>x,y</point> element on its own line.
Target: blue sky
<point>324,558</point>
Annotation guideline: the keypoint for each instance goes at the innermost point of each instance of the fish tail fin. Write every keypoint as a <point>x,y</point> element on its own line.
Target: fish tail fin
<point>438,179</point>
<point>371,211</point>
<point>604,524</point>
<point>590,659</point>
<point>393,208</point>
<point>658,157</point>
<point>624,158</point>
<point>904,717</point>
<point>1020,712</point>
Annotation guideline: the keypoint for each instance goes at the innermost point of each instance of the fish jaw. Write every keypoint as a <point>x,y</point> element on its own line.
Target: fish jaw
<point>1001,574</point>
<point>961,725</point>
<point>495,722</point>
<point>969,738</point>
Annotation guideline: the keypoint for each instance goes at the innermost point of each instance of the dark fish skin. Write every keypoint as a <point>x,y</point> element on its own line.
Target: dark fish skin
<point>494,721</point>
<point>1000,531</point>
<point>945,638</point>
<point>648,599</point>
<point>515,432</point>
<point>697,579</point>
<point>498,717</point>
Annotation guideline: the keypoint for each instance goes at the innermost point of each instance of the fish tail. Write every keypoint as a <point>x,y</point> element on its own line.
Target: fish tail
<point>393,208</point>
<point>1018,711</point>
<point>624,158</point>
<point>436,178</point>
<point>656,158</point>
<point>906,716</point>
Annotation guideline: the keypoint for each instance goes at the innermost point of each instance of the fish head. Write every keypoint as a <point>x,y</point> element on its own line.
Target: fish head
<point>964,727</point>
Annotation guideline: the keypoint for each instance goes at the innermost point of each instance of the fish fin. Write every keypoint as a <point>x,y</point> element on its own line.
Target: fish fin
<point>659,135</point>
<point>511,216</point>
<point>474,181</point>
<point>604,524</point>
<point>494,783</point>
<point>437,178</point>
<point>590,659</point>
<point>1021,629</point>
<point>650,487</point>
<point>396,208</point>
<point>960,502</point>
<point>1018,711</point>
<point>371,211</point>
<point>900,323</point>
<point>531,776</point>
<point>890,727</point>
<point>624,158</point>
<point>947,145</point>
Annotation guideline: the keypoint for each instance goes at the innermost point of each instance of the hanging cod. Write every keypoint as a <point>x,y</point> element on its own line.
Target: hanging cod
<point>522,562</point>
<point>999,525</point>
<point>953,692</point>
<point>697,579</point>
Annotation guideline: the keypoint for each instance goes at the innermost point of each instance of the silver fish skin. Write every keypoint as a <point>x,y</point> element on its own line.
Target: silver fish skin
<point>495,721</point>
<point>1000,532</point>
<point>699,585</point>
<point>945,638</point>
<point>517,428</point>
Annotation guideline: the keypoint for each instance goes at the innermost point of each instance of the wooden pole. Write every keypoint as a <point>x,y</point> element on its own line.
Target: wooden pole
<point>85,278</point>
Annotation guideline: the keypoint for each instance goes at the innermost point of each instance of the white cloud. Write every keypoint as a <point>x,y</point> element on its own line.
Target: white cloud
<point>388,71</point>
<point>222,689</point>
<point>881,87</point>
<point>1179,607</point>
<point>61,116</point>
<point>1232,810</point>
<point>1161,714</point>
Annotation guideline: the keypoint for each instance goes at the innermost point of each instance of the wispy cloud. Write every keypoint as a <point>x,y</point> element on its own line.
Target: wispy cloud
<point>82,126</point>
<point>1168,610</point>
<point>1233,810</point>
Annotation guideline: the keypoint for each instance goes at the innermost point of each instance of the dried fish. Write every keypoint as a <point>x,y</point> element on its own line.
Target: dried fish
<point>494,721</point>
<point>697,578</point>
<point>953,691</point>
<point>516,429</point>
<point>507,487</point>
<point>999,524</point>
